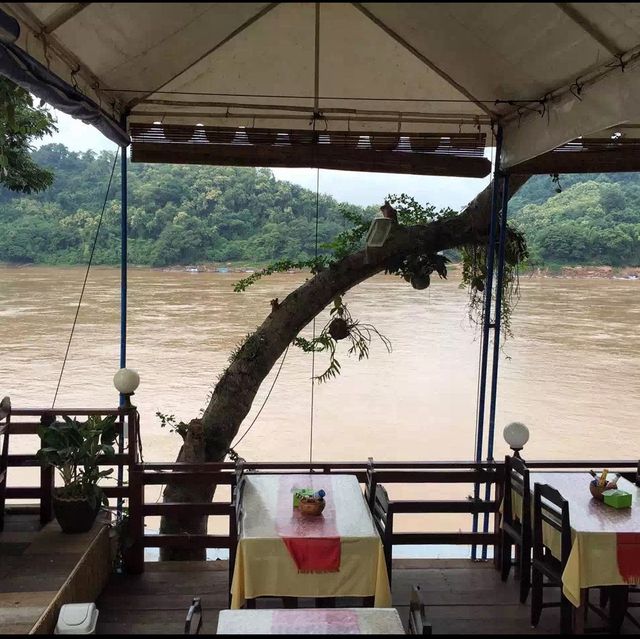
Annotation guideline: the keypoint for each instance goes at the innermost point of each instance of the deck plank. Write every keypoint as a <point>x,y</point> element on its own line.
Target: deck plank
<point>461,596</point>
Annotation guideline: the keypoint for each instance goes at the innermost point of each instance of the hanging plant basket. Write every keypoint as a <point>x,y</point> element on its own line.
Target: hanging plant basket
<point>420,281</point>
<point>338,328</point>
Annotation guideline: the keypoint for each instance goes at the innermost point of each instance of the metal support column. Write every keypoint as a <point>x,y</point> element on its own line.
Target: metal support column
<point>497,319</point>
<point>486,320</point>
<point>123,299</point>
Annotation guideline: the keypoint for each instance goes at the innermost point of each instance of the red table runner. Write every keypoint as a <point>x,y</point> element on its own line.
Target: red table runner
<point>312,542</point>
<point>628,550</point>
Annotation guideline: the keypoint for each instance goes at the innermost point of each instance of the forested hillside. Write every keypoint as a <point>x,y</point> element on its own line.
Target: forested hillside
<point>190,214</point>
<point>595,219</point>
<point>178,214</point>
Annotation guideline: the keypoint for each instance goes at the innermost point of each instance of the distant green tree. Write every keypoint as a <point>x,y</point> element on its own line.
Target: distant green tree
<point>20,123</point>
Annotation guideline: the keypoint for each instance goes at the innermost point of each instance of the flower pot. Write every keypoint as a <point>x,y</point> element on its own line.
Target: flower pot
<point>311,506</point>
<point>75,515</point>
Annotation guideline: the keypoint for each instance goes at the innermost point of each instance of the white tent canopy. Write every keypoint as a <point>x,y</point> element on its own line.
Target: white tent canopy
<point>548,72</point>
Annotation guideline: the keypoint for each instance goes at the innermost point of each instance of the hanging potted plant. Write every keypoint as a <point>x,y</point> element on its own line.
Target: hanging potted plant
<point>76,449</point>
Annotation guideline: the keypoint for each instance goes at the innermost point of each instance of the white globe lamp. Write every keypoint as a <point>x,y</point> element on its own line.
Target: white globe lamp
<point>516,435</point>
<point>126,380</point>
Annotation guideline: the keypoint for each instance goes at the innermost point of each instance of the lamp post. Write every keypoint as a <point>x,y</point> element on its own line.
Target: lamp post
<point>126,380</point>
<point>516,435</point>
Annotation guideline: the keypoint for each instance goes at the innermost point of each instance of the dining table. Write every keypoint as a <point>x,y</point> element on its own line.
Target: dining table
<point>282,552</point>
<point>311,621</point>
<point>605,541</point>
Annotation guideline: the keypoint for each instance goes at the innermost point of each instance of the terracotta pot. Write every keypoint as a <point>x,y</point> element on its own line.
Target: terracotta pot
<point>75,515</point>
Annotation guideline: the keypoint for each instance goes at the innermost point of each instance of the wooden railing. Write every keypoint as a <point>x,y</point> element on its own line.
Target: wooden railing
<point>23,422</point>
<point>369,473</point>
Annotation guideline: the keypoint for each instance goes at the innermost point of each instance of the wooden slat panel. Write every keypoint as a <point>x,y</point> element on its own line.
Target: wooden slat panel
<point>209,508</point>
<point>23,492</point>
<point>438,538</point>
<point>37,412</point>
<point>32,460</point>
<point>411,506</point>
<point>315,156</point>
<point>437,477</point>
<point>186,541</point>
<point>186,477</point>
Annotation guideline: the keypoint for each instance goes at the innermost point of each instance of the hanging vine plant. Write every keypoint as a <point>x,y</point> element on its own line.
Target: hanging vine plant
<point>474,274</point>
<point>340,327</point>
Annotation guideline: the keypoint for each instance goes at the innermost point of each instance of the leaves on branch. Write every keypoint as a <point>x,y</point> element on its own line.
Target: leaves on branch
<point>21,122</point>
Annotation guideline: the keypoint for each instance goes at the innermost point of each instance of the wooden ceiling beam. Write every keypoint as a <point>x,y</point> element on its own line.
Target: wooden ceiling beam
<point>62,15</point>
<point>589,28</point>
<point>402,42</point>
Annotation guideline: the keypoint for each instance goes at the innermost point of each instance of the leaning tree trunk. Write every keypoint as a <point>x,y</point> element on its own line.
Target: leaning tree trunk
<point>209,437</point>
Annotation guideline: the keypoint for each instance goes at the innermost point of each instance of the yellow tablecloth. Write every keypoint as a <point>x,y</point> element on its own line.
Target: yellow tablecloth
<point>264,566</point>
<point>593,559</point>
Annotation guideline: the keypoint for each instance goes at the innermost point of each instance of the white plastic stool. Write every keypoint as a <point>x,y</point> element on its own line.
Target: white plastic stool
<point>77,619</point>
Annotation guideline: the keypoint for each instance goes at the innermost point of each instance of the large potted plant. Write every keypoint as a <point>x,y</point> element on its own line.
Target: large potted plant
<point>76,449</point>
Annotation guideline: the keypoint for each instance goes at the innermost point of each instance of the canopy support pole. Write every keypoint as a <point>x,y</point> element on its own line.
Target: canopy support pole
<point>123,299</point>
<point>486,321</point>
<point>497,318</point>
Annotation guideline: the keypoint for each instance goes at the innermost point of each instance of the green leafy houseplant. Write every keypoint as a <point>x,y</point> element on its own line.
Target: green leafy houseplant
<point>76,450</point>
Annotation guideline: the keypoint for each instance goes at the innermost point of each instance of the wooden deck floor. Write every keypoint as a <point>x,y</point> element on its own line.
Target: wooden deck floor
<point>462,597</point>
<point>41,568</point>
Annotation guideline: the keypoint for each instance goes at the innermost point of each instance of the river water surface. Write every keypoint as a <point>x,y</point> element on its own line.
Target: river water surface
<point>570,372</point>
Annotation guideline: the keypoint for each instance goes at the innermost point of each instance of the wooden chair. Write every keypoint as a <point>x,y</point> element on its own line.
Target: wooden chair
<point>370,485</point>
<point>417,621</point>
<point>234,518</point>
<point>550,508</point>
<point>383,520</point>
<point>193,622</point>
<point>5,418</point>
<point>517,531</point>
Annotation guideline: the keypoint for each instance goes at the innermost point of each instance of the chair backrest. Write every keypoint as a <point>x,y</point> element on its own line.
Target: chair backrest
<point>551,509</point>
<point>193,622</point>
<point>517,481</point>
<point>5,424</point>
<point>417,621</point>
<point>370,485</point>
<point>383,519</point>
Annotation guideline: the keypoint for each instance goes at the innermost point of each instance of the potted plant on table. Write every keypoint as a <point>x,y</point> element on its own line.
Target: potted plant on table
<point>76,449</point>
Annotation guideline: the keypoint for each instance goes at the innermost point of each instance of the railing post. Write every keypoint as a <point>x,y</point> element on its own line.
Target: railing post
<point>497,520</point>
<point>134,548</point>
<point>47,483</point>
